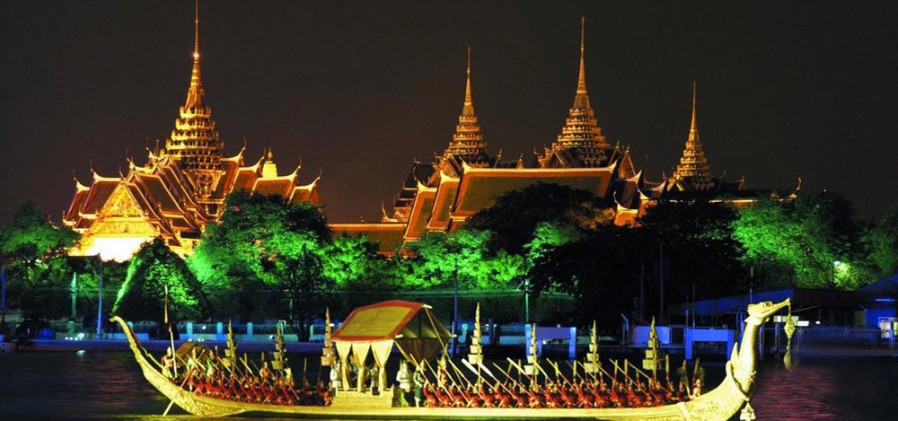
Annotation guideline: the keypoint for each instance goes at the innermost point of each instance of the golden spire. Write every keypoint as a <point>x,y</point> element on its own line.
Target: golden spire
<point>196,30</point>
<point>195,141</point>
<point>693,126</point>
<point>581,133</point>
<point>693,167</point>
<point>195,92</point>
<point>581,81</point>
<point>467,142</point>
<point>468,108</point>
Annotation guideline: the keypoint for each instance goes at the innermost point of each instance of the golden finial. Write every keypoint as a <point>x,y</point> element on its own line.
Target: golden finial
<point>581,82</point>
<point>195,91</point>
<point>269,168</point>
<point>693,126</point>
<point>196,30</point>
<point>468,101</point>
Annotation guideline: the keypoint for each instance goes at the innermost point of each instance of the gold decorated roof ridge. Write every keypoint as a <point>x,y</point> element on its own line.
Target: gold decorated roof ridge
<point>79,187</point>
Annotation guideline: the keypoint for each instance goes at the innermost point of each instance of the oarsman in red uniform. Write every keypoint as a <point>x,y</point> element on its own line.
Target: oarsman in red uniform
<point>517,399</point>
<point>269,393</point>
<point>584,399</point>
<point>535,401</point>
<point>549,397</point>
<point>458,398</point>
<point>633,399</point>
<point>430,400</point>
<point>442,397</point>
<point>600,396</point>
<point>254,388</point>
<point>615,398</point>
<point>471,399</point>
<point>487,399</point>
<point>567,399</point>
<point>503,399</point>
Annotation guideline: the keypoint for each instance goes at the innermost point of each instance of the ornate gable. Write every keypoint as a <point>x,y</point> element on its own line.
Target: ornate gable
<point>122,216</point>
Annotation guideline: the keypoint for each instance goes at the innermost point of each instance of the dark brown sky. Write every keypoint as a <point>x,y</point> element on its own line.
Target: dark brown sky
<point>359,89</point>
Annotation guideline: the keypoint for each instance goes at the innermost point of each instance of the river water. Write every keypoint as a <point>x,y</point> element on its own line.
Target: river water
<point>109,385</point>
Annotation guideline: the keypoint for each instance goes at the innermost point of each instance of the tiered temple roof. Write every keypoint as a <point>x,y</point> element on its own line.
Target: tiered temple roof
<point>581,142</point>
<point>467,145</point>
<point>693,171</point>
<point>183,187</point>
<point>441,196</point>
<point>194,140</point>
<point>178,191</point>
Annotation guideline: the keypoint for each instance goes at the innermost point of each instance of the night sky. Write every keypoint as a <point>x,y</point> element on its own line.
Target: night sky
<point>359,89</point>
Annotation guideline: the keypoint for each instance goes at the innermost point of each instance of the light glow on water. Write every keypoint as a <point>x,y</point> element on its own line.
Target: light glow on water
<point>843,389</point>
<point>103,384</point>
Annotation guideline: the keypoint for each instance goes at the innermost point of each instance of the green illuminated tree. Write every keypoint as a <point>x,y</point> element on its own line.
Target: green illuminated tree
<point>803,242</point>
<point>265,247</point>
<point>548,236</point>
<point>440,259</point>
<point>515,215</point>
<point>33,251</point>
<point>881,242</point>
<point>142,295</point>
<point>352,263</point>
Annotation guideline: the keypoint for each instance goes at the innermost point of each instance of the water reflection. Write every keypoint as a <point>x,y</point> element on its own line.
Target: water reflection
<point>109,385</point>
<point>827,389</point>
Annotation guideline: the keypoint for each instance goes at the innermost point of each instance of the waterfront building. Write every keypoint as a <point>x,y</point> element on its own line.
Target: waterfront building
<point>180,189</point>
<point>183,185</point>
<point>439,196</point>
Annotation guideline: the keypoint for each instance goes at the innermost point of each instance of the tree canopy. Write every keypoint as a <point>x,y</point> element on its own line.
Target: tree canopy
<point>142,296</point>
<point>440,259</point>
<point>810,242</point>
<point>881,241</point>
<point>265,243</point>
<point>687,244</point>
<point>33,252</point>
<point>515,215</point>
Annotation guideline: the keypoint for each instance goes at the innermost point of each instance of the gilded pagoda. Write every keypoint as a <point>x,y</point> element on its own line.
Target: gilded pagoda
<point>440,195</point>
<point>179,190</point>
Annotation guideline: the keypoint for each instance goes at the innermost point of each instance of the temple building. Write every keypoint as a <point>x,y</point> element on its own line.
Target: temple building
<point>439,196</point>
<point>179,190</point>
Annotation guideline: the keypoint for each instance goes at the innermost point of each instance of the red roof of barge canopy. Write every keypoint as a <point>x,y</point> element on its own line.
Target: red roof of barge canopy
<point>387,320</point>
<point>411,326</point>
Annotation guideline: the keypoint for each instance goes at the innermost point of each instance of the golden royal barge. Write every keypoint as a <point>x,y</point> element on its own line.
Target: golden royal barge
<point>413,330</point>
